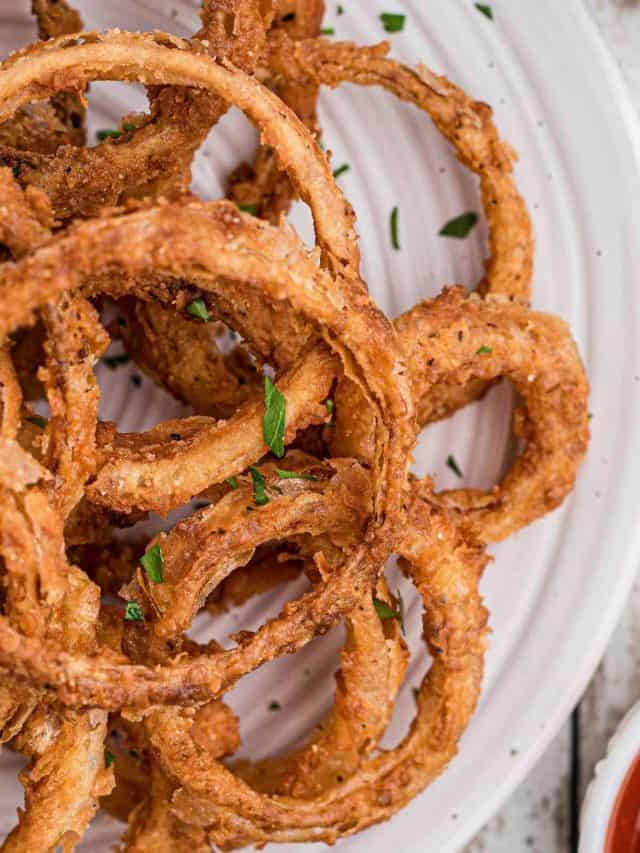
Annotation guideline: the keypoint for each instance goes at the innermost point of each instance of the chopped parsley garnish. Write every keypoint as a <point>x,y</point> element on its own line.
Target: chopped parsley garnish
<point>341,170</point>
<point>460,226</point>
<point>136,380</point>
<point>231,481</point>
<point>109,758</point>
<point>487,11</point>
<point>395,239</point>
<point>275,706</point>
<point>392,22</point>
<point>153,564</point>
<point>340,10</point>
<point>38,421</point>
<point>128,127</point>
<point>198,309</point>
<point>16,170</point>
<point>294,475</point>
<point>260,496</point>
<point>327,31</point>
<point>384,611</point>
<point>330,406</point>
<point>484,350</point>
<point>453,465</point>
<point>113,361</point>
<point>101,135</point>
<point>275,413</point>
<point>133,612</point>
<point>249,208</point>
<point>590,416</point>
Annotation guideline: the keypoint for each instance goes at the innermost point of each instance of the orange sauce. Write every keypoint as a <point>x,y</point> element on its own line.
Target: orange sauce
<point>623,834</point>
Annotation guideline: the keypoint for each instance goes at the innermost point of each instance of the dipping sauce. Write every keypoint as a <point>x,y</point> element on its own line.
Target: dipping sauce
<point>623,834</point>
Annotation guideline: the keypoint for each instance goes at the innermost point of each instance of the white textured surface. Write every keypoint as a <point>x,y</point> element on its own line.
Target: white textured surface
<point>556,590</point>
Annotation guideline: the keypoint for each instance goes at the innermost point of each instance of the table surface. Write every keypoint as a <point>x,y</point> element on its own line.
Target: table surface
<point>542,816</point>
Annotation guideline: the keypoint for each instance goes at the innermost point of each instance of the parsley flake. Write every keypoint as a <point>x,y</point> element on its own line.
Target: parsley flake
<point>453,465</point>
<point>198,309</point>
<point>260,496</point>
<point>327,31</point>
<point>392,22</point>
<point>275,413</point>
<point>133,612</point>
<point>231,481</point>
<point>460,226</point>
<point>340,10</point>
<point>114,361</point>
<point>384,611</point>
<point>128,127</point>
<point>153,564</point>
<point>487,11</point>
<point>341,170</point>
<point>39,421</point>
<point>109,758</point>
<point>395,239</point>
<point>294,475</point>
<point>484,350</point>
<point>249,208</point>
<point>101,135</point>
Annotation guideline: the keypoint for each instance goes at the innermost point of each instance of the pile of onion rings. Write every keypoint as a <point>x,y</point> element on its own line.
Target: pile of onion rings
<point>294,463</point>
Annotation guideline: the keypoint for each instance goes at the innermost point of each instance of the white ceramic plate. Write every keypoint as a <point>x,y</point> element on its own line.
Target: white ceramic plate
<point>556,590</point>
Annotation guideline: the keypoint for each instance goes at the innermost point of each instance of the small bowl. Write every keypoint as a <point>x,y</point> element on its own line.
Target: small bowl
<point>605,811</point>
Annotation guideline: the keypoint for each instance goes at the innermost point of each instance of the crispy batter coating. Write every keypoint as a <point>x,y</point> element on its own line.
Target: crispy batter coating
<point>155,157</point>
<point>352,382</point>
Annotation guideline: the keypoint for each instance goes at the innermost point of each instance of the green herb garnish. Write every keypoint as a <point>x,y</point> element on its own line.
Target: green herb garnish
<point>113,361</point>
<point>327,31</point>
<point>231,481</point>
<point>16,170</point>
<point>249,208</point>
<point>392,22</point>
<point>133,612</point>
<point>340,10</point>
<point>198,309</point>
<point>109,758</point>
<point>341,170</point>
<point>128,127</point>
<point>260,496</point>
<point>451,463</point>
<point>395,240</point>
<point>484,350</point>
<point>38,421</point>
<point>273,422</point>
<point>153,564</point>
<point>384,611</point>
<point>590,416</point>
<point>101,135</point>
<point>294,475</point>
<point>460,226</point>
<point>487,11</point>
